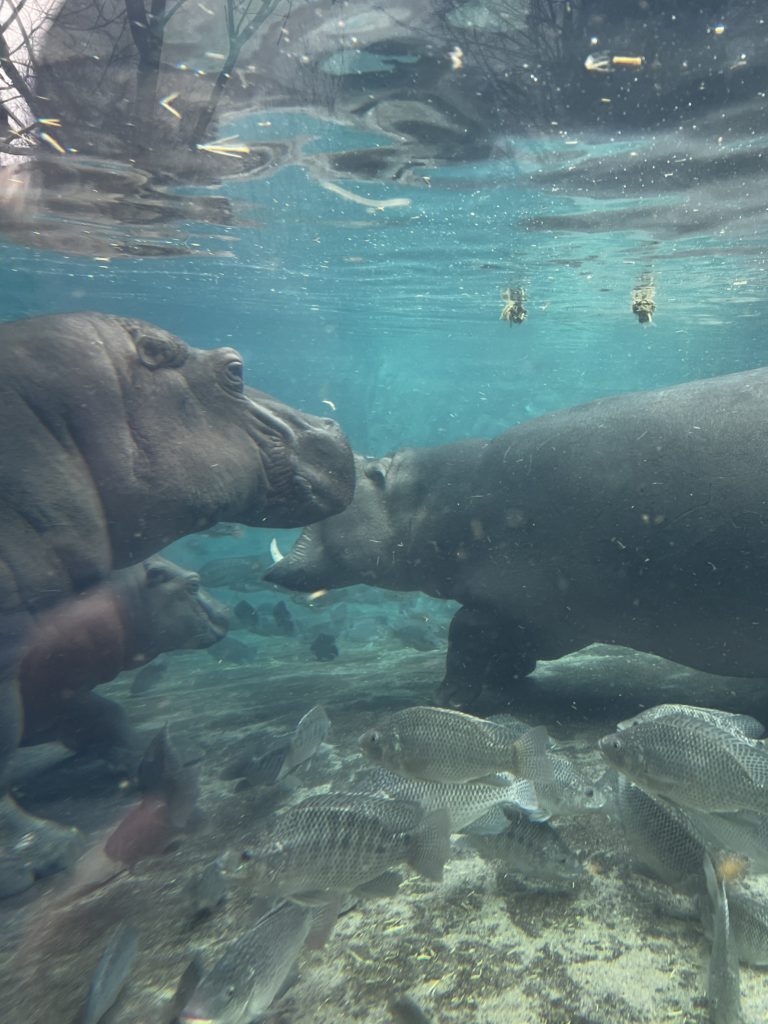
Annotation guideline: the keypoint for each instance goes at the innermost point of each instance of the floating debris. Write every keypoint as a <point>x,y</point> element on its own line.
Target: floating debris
<point>644,301</point>
<point>372,204</point>
<point>514,311</point>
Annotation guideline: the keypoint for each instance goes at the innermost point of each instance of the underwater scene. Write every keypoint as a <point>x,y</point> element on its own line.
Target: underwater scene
<point>383,511</point>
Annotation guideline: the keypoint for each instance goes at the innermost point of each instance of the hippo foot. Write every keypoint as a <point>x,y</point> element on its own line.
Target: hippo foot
<point>31,848</point>
<point>458,694</point>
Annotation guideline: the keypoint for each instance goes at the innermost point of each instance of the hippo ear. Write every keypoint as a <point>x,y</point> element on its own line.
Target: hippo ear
<point>156,350</point>
<point>377,470</point>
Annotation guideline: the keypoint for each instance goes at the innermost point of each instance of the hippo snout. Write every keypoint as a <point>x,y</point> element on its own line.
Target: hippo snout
<point>309,465</point>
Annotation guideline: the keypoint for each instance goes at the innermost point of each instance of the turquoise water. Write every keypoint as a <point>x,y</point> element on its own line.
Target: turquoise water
<point>361,274</point>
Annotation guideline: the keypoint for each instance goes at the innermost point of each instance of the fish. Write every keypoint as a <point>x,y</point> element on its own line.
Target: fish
<point>324,647</point>
<point>162,773</point>
<point>333,843</point>
<point>661,838</point>
<point>748,916</point>
<point>568,791</point>
<point>209,888</point>
<point>723,976</point>
<point>169,804</point>
<point>246,615</point>
<point>309,734</point>
<point>111,973</point>
<point>529,848</point>
<point>188,982</point>
<point>744,725</point>
<point>742,831</point>
<point>245,980</point>
<point>440,745</point>
<point>692,762</point>
<point>465,802</point>
<point>147,677</point>
<point>284,624</point>
<point>284,754</point>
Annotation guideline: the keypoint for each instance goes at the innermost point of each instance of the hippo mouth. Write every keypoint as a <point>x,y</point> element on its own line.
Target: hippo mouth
<point>308,463</point>
<point>218,619</point>
<point>302,568</point>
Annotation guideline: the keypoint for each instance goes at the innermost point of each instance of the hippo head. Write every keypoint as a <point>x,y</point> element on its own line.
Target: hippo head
<point>174,610</point>
<point>366,543</point>
<point>166,438</point>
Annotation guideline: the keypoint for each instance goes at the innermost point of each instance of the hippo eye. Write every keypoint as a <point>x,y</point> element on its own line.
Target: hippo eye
<point>157,574</point>
<point>234,373</point>
<point>193,585</point>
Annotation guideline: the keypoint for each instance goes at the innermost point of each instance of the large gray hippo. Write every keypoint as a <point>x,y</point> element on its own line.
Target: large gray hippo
<point>126,621</point>
<point>116,438</point>
<point>639,520</point>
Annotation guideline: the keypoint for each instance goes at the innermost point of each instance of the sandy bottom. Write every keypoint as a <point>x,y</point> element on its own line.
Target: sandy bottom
<point>480,946</point>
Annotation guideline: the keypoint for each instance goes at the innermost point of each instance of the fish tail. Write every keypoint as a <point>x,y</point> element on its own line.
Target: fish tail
<point>530,759</point>
<point>431,845</point>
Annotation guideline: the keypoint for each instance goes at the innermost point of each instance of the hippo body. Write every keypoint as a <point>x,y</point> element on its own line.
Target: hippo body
<point>638,520</point>
<point>131,618</point>
<point>116,438</point>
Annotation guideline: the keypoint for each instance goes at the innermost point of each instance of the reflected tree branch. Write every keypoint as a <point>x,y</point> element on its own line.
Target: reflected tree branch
<point>241,26</point>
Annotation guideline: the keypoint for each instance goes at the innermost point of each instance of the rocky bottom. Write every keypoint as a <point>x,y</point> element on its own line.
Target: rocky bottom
<point>479,946</point>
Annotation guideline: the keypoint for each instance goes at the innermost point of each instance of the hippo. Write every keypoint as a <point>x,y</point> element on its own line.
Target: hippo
<point>639,520</point>
<point>116,438</point>
<point>136,614</point>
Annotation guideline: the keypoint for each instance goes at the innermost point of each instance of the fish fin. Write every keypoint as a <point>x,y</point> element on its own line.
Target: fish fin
<point>431,845</point>
<point>324,920</point>
<point>385,884</point>
<point>531,757</point>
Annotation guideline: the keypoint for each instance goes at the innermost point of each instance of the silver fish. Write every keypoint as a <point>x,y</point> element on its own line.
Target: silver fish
<point>246,979</point>
<point>661,838</point>
<point>464,801</point>
<point>440,745</point>
<point>748,915</point>
<point>741,831</point>
<point>744,725</point>
<point>209,888</point>
<point>335,843</point>
<point>533,849</point>
<point>111,974</point>
<point>693,763</point>
<point>569,791</point>
<point>284,754</point>
<point>723,977</point>
<point>309,734</point>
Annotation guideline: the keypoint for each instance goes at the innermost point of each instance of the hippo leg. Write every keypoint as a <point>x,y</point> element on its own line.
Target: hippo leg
<point>486,652</point>
<point>92,724</point>
<point>29,847</point>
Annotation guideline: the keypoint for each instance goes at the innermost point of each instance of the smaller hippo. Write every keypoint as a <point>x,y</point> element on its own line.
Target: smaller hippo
<point>637,520</point>
<point>138,613</point>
